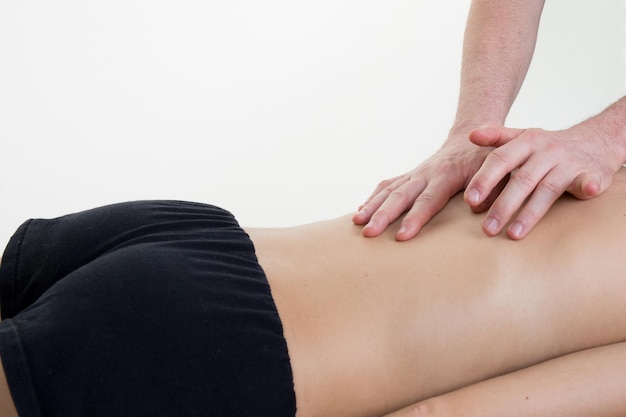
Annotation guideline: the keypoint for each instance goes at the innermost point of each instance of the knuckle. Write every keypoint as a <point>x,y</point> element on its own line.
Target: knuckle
<point>448,164</point>
<point>451,169</point>
<point>384,184</point>
<point>401,198</point>
<point>383,215</point>
<point>398,195</point>
<point>524,178</point>
<point>380,213</point>
<point>428,199</point>
<point>499,156</point>
<point>555,147</point>
<point>391,190</point>
<point>392,185</point>
<point>550,188</point>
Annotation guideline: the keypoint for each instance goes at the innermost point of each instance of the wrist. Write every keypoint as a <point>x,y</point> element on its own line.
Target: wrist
<point>459,136</point>
<point>460,145</point>
<point>607,131</point>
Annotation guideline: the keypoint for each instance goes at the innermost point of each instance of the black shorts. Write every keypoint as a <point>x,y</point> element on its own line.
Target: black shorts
<point>153,308</point>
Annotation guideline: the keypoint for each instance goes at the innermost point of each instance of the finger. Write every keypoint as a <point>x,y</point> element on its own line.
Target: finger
<point>487,202</point>
<point>494,135</point>
<point>521,184</point>
<point>434,197</point>
<point>549,189</point>
<point>397,202</point>
<point>586,186</point>
<point>377,198</point>
<point>380,187</point>
<point>498,164</point>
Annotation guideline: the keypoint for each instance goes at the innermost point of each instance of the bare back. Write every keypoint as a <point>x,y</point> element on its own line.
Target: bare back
<point>373,324</point>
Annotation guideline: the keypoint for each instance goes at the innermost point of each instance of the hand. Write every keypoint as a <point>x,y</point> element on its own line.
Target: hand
<point>542,166</point>
<point>423,191</point>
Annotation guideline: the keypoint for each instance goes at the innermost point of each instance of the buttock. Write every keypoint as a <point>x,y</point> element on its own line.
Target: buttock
<point>142,308</point>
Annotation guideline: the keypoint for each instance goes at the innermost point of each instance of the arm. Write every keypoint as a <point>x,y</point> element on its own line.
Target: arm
<point>589,383</point>
<point>498,46</point>
<point>499,43</point>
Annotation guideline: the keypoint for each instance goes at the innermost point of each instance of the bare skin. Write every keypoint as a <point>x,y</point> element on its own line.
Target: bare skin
<point>582,384</point>
<point>499,42</point>
<point>375,325</point>
<point>498,46</point>
<point>543,165</point>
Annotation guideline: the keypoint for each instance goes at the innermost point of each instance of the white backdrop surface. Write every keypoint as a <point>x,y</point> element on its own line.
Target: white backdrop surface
<point>282,111</point>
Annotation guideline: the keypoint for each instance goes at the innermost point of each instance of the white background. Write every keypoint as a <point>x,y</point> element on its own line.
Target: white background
<point>282,111</point>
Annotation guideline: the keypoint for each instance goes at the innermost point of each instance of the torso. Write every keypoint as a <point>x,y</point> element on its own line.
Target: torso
<point>373,324</point>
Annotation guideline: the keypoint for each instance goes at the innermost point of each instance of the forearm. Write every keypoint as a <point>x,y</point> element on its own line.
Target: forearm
<point>587,383</point>
<point>499,43</point>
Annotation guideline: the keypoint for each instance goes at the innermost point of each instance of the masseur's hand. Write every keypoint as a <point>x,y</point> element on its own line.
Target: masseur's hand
<point>542,166</point>
<point>423,191</point>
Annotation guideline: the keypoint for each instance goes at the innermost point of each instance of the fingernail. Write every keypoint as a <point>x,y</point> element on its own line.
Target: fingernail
<point>516,229</point>
<point>404,229</point>
<point>491,225</point>
<point>473,195</point>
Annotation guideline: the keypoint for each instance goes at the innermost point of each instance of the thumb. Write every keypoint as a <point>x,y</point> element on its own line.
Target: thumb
<point>585,186</point>
<point>494,135</point>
